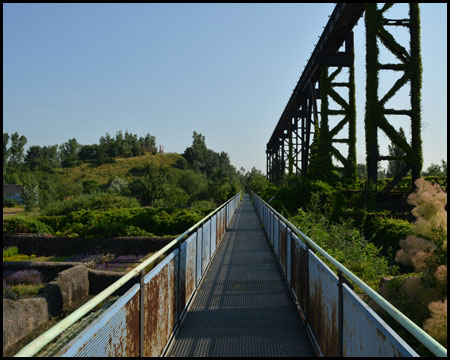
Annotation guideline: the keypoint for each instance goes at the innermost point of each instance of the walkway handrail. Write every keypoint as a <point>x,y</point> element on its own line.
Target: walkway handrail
<point>37,344</point>
<point>430,343</point>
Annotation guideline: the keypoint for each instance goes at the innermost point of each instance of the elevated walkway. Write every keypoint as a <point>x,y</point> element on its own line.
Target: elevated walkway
<point>243,306</point>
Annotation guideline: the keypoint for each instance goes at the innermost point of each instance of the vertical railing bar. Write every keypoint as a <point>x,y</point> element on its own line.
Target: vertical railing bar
<point>341,281</point>
<point>141,314</point>
<point>179,285</point>
<point>210,239</point>
<point>307,283</point>
<point>196,259</point>
<point>340,315</point>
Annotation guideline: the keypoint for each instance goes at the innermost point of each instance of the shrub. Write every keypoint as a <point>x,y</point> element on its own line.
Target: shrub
<point>11,251</point>
<point>431,223</point>
<point>99,201</point>
<point>25,225</point>
<point>8,293</point>
<point>206,205</point>
<point>20,257</point>
<point>344,242</point>
<point>90,187</point>
<point>26,289</point>
<point>124,222</point>
<point>9,202</point>
<point>386,233</point>
<point>316,195</point>
<point>409,293</point>
<point>431,216</point>
<point>24,277</point>
<point>428,255</point>
<point>416,252</point>
<point>436,325</point>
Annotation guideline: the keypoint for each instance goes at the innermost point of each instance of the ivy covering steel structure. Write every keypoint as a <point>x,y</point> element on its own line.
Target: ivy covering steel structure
<point>303,143</point>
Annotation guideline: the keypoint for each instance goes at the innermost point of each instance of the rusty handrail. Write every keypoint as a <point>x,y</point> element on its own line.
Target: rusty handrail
<point>430,343</point>
<point>37,344</point>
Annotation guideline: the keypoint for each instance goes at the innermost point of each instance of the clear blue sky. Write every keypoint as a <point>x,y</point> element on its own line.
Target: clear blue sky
<point>225,70</point>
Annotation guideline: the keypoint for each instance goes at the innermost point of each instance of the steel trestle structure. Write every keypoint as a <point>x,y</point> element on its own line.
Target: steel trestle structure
<point>302,136</point>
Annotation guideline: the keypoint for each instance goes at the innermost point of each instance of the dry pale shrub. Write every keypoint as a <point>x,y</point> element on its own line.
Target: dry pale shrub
<point>415,251</point>
<point>429,201</point>
<point>436,325</point>
<point>441,276</point>
<point>419,295</point>
<point>410,294</point>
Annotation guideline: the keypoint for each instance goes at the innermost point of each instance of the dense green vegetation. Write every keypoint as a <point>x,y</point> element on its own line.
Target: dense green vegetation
<point>123,188</point>
<point>404,261</point>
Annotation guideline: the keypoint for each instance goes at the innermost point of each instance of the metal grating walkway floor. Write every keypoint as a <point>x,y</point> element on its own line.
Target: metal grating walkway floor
<point>243,306</point>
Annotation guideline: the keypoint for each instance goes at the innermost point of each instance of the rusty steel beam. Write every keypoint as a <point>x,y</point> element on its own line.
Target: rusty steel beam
<point>341,22</point>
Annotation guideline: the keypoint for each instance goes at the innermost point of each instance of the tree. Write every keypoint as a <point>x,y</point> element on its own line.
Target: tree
<point>120,186</point>
<point>194,184</point>
<point>256,181</point>
<point>30,196</point>
<point>5,149</point>
<point>196,154</point>
<point>395,167</point>
<point>436,170</point>
<point>362,171</point>
<point>148,143</point>
<point>69,153</point>
<point>16,149</point>
<point>150,187</point>
<point>43,158</point>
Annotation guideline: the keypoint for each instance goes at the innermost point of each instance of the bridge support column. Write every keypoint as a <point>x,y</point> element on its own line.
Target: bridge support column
<point>376,112</point>
<point>322,166</point>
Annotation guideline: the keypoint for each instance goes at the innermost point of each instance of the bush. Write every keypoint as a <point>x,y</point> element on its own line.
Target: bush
<point>409,293</point>
<point>99,201</point>
<point>23,277</point>
<point>20,257</point>
<point>436,325</point>
<point>25,225</point>
<point>11,251</point>
<point>9,202</point>
<point>21,283</point>
<point>423,297</point>
<point>386,233</point>
<point>206,205</point>
<point>90,187</point>
<point>344,242</point>
<point>124,222</point>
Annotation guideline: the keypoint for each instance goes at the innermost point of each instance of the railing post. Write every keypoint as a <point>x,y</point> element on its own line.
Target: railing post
<point>141,315</point>
<point>342,280</point>
<point>307,282</point>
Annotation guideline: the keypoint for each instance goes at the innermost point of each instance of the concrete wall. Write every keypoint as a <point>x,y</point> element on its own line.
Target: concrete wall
<point>67,284</point>
<point>22,316</point>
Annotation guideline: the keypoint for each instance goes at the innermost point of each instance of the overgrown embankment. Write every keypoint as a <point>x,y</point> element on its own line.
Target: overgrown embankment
<point>405,261</point>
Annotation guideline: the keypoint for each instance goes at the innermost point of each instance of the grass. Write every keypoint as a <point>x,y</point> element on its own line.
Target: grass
<point>8,212</point>
<point>20,257</point>
<point>120,168</point>
<point>27,290</point>
<point>11,251</point>
<point>12,254</point>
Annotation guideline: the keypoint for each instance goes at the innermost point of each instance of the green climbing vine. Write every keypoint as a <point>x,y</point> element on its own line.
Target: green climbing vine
<point>351,171</point>
<point>375,112</point>
<point>321,167</point>
<point>415,68</point>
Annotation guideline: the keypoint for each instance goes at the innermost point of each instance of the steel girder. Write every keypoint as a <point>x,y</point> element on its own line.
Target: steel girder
<point>376,111</point>
<point>293,131</point>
